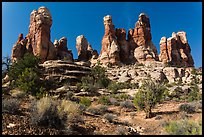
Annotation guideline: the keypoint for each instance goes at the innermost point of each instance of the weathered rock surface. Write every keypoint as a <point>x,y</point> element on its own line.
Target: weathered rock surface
<point>37,41</point>
<point>19,48</point>
<point>140,40</point>
<point>156,71</point>
<point>124,45</point>
<point>39,33</point>
<point>62,51</point>
<point>110,49</point>
<point>85,51</point>
<point>62,71</point>
<point>176,50</point>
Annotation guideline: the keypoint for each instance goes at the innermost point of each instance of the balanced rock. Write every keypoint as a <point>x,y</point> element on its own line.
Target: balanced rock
<point>110,49</point>
<point>176,50</point>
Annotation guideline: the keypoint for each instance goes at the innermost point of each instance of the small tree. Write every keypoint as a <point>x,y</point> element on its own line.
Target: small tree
<point>25,74</point>
<point>149,94</point>
<point>19,66</point>
<point>6,63</point>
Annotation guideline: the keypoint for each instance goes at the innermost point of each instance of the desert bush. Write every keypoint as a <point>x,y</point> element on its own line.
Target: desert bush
<point>184,127</point>
<point>10,105</point>
<point>69,107</point>
<point>99,110</point>
<point>97,79</point>
<point>187,108</point>
<point>115,86</point>
<point>72,111</point>
<point>110,117</point>
<point>148,95</point>
<point>85,101</point>
<point>104,100</point>
<point>127,104</point>
<point>121,130</point>
<point>194,94</point>
<point>123,96</point>
<point>114,101</point>
<point>44,112</point>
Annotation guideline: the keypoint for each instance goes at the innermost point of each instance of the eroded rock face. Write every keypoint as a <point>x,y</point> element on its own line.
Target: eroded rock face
<point>110,49</point>
<point>19,48</point>
<point>63,71</point>
<point>140,40</point>
<point>62,51</point>
<point>39,33</point>
<point>176,50</point>
<point>163,56</point>
<point>84,48</point>
<point>124,45</point>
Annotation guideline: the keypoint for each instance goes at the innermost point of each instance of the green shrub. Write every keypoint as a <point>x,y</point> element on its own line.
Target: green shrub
<point>97,79</point>
<point>115,86</point>
<point>194,94</point>
<point>85,101</point>
<point>25,74</point>
<point>148,95</point>
<point>19,66</point>
<point>184,127</point>
<point>27,80</point>
<point>123,96</point>
<point>104,100</point>
<point>10,105</point>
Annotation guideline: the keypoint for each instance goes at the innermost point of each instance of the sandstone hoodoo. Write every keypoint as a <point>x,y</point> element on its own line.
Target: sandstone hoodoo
<point>38,41</point>
<point>140,40</point>
<point>19,48</point>
<point>115,48</point>
<point>39,34</point>
<point>176,50</point>
<point>110,49</point>
<point>62,51</point>
<point>85,51</point>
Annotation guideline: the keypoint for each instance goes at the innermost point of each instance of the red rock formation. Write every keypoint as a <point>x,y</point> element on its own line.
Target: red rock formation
<point>178,51</point>
<point>19,48</point>
<point>39,34</point>
<point>164,57</point>
<point>124,45</point>
<point>140,40</point>
<point>85,51</point>
<point>62,51</point>
<point>110,49</point>
<point>20,37</point>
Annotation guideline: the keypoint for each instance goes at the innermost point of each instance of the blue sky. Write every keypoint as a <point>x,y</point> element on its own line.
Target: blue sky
<point>71,19</point>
